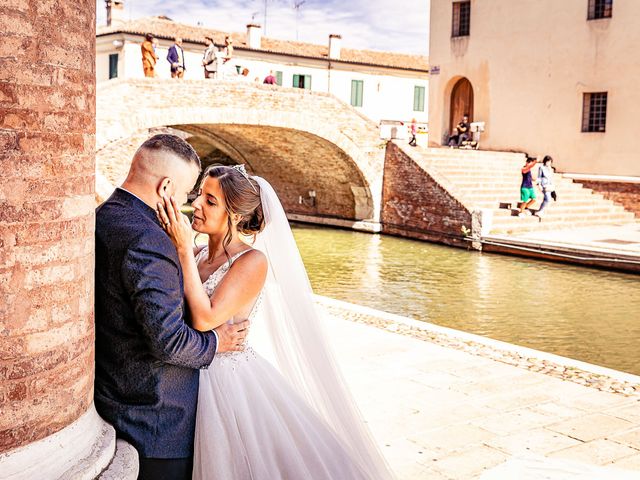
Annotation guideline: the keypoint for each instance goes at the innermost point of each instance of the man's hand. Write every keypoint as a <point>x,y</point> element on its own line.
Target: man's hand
<point>231,338</point>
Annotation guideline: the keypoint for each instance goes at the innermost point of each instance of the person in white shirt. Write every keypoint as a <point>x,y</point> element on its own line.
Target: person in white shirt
<point>209,60</point>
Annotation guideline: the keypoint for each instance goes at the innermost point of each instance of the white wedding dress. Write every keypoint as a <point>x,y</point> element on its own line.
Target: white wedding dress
<point>252,425</point>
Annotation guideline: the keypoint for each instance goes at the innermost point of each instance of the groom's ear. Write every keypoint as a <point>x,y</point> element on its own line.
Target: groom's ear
<point>164,187</point>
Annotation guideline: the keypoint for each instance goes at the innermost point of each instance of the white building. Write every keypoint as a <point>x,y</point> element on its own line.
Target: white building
<point>384,86</point>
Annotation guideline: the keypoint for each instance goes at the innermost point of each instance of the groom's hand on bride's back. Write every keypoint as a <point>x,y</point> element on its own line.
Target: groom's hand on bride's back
<point>231,338</point>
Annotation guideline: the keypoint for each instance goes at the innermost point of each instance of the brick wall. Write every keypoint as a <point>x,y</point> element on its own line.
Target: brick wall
<point>47,93</point>
<point>622,193</point>
<point>415,205</point>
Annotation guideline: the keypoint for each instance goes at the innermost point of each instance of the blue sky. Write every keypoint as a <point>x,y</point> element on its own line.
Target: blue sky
<point>400,26</point>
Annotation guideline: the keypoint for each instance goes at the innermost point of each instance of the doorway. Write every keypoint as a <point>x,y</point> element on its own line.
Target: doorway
<point>461,102</point>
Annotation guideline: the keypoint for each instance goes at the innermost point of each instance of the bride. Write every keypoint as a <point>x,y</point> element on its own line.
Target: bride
<point>279,409</point>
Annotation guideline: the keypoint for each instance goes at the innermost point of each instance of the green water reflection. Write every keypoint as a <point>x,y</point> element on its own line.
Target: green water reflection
<point>581,313</point>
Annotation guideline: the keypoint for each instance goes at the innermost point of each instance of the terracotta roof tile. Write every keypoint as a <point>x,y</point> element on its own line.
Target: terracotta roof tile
<point>163,27</point>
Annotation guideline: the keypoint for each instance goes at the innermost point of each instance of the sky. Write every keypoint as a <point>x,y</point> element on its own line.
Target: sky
<point>388,25</point>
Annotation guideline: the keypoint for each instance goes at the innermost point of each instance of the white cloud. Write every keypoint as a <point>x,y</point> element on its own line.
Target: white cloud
<point>371,24</point>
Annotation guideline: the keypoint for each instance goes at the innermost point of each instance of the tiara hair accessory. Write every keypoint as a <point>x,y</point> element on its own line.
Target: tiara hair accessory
<point>243,171</point>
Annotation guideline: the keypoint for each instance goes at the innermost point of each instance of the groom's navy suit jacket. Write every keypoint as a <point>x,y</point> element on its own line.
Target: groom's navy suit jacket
<point>147,356</point>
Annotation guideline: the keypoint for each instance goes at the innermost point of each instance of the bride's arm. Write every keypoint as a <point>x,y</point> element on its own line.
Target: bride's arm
<point>240,285</point>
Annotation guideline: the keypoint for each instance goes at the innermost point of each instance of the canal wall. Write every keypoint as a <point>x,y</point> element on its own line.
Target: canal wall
<point>418,203</point>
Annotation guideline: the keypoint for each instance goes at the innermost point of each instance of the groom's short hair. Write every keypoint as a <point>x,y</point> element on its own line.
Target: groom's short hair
<point>172,144</point>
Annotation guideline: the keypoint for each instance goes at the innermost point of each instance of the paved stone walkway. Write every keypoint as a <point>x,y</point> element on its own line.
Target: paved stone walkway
<point>623,239</point>
<point>443,413</point>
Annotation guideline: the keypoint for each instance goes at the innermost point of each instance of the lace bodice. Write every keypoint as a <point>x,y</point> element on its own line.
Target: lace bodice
<point>210,285</point>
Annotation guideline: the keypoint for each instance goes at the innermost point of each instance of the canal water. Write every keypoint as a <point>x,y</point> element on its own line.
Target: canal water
<point>581,313</point>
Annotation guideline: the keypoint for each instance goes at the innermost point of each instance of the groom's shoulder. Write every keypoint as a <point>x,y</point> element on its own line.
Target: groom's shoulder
<point>121,223</point>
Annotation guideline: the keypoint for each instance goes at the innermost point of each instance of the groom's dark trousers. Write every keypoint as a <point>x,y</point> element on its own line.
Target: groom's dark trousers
<point>147,356</point>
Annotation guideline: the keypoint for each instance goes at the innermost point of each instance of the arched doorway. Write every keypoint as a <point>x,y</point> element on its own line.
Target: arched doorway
<point>461,102</point>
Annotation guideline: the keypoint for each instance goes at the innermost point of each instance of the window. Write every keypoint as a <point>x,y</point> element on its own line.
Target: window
<point>418,99</point>
<point>113,65</point>
<point>357,86</point>
<point>302,81</point>
<point>279,78</point>
<point>600,9</point>
<point>461,19</point>
<point>594,112</point>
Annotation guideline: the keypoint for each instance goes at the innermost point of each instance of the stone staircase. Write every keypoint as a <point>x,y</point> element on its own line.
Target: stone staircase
<point>483,179</point>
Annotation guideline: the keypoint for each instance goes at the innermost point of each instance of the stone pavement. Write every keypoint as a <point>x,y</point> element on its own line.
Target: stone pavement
<point>624,239</point>
<point>612,247</point>
<point>440,412</point>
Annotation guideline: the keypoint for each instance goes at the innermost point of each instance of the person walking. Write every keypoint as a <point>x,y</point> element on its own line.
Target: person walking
<point>175,56</point>
<point>545,180</point>
<point>527,192</point>
<point>414,129</point>
<point>149,57</point>
<point>209,59</point>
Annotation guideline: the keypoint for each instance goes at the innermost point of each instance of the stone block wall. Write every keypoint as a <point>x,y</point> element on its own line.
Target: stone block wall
<point>47,138</point>
<point>416,205</point>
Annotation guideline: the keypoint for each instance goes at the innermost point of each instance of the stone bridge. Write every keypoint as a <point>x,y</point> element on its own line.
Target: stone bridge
<point>301,141</point>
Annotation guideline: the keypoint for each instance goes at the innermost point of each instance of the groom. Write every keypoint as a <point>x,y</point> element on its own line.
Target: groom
<point>147,355</point>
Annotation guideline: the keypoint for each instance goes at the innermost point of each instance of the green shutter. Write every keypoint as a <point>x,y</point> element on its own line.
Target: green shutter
<point>418,98</point>
<point>357,87</point>
<point>279,78</point>
<point>113,65</point>
<point>302,81</point>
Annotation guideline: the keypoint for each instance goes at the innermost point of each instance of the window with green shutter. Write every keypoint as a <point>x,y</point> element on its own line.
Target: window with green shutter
<point>113,65</point>
<point>418,99</point>
<point>302,81</point>
<point>279,78</point>
<point>357,86</point>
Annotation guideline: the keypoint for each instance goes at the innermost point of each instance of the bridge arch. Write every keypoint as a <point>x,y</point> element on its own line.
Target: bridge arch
<point>302,142</point>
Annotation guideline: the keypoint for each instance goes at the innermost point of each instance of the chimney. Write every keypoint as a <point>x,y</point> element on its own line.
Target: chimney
<point>335,42</point>
<point>115,12</point>
<point>254,36</point>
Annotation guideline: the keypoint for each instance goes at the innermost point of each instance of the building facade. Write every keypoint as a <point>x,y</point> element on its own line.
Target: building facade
<point>383,86</point>
<point>547,77</point>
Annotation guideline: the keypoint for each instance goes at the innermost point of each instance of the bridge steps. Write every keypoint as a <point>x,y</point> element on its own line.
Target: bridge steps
<point>485,180</point>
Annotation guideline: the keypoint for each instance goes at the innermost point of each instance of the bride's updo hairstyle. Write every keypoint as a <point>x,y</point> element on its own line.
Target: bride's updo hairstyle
<point>241,197</point>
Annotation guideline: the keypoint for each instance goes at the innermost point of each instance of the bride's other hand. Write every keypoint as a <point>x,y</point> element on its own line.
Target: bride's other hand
<point>175,223</point>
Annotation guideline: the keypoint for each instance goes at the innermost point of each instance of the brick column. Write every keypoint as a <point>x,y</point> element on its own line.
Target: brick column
<point>47,132</point>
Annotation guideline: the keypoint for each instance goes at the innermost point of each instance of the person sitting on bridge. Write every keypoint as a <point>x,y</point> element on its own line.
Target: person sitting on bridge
<point>461,132</point>
<point>527,192</point>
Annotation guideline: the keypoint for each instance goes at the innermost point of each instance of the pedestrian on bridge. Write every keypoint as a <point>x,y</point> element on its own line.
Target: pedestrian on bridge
<point>176,59</point>
<point>209,59</point>
<point>149,57</point>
